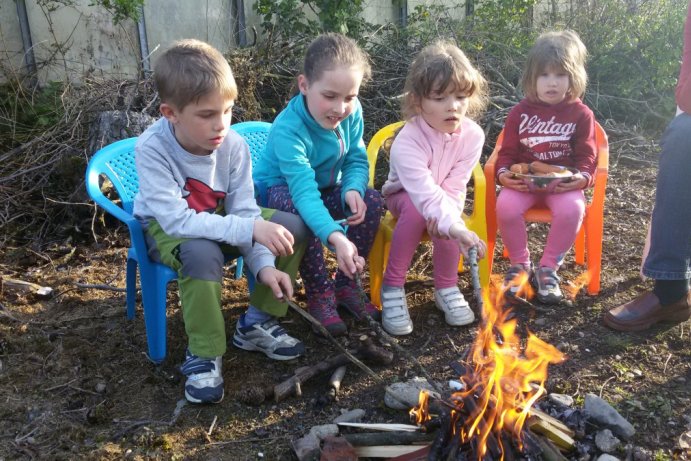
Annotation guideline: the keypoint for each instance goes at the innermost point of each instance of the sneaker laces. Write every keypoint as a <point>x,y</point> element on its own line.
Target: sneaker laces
<point>197,368</point>
<point>394,303</point>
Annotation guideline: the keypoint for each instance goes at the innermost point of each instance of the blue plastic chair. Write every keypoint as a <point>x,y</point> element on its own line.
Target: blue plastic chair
<point>256,134</point>
<point>116,163</point>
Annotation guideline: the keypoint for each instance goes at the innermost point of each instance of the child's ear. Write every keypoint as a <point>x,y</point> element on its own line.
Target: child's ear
<point>168,112</point>
<point>303,84</point>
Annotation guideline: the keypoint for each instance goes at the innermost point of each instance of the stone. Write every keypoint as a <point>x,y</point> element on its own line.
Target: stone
<point>324,431</point>
<point>306,448</point>
<point>604,414</point>
<point>352,416</point>
<point>606,457</point>
<point>606,441</point>
<point>405,395</point>
<point>562,400</point>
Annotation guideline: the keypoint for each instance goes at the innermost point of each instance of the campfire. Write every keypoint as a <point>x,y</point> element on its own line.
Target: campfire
<point>502,376</point>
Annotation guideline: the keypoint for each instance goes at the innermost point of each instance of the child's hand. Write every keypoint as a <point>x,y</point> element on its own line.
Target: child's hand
<point>357,207</point>
<point>278,281</point>
<point>578,181</point>
<point>349,262</point>
<point>274,237</point>
<point>506,179</point>
<point>467,239</point>
<point>433,228</point>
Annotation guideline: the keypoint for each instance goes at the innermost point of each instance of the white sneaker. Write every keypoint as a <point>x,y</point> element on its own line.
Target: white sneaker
<point>456,310</point>
<point>394,310</point>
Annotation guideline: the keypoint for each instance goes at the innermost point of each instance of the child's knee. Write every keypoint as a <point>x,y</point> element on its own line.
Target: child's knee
<point>201,259</point>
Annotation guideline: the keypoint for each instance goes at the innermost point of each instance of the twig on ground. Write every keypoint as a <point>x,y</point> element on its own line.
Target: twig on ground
<point>324,332</point>
<point>390,339</point>
<point>99,286</point>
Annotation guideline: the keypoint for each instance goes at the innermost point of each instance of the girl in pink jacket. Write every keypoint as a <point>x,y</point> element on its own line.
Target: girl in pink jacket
<point>432,158</point>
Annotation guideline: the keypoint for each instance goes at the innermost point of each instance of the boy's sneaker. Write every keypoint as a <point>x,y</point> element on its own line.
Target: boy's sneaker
<point>394,310</point>
<point>546,283</point>
<point>456,310</point>
<point>323,308</point>
<point>514,280</point>
<point>204,381</point>
<point>269,338</point>
<point>349,298</point>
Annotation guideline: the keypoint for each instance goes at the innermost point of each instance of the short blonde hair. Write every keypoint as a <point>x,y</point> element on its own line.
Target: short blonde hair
<point>437,67</point>
<point>190,69</point>
<point>556,50</point>
<point>330,50</point>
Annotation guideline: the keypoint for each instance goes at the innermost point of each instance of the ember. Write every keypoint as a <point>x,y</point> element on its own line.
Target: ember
<point>502,382</point>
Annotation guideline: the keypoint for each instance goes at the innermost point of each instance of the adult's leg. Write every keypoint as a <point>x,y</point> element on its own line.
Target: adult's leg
<point>669,257</point>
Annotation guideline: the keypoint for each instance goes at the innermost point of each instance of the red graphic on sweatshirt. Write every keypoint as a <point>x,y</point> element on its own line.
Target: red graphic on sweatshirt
<point>201,197</point>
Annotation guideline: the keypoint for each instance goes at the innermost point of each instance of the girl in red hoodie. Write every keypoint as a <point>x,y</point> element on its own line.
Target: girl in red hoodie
<point>551,125</point>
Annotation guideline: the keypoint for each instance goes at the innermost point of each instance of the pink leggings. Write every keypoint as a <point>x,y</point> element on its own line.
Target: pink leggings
<point>568,209</point>
<point>406,238</point>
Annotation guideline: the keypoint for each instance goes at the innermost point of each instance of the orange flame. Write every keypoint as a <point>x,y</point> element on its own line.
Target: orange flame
<point>504,380</point>
<point>420,412</point>
<point>574,287</point>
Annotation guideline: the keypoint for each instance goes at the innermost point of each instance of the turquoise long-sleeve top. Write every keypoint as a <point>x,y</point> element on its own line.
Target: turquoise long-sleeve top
<point>309,158</point>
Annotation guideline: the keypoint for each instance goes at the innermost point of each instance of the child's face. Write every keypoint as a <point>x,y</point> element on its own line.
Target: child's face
<point>552,85</point>
<point>444,111</point>
<point>201,127</point>
<point>331,98</point>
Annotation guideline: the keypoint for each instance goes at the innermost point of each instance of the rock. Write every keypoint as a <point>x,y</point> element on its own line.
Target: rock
<point>338,449</point>
<point>606,441</point>
<point>541,322</point>
<point>100,387</point>
<point>352,416</point>
<point>306,448</point>
<point>602,412</point>
<point>607,457</point>
<point>562,400</point>
<point>324,431</point>
<point>641,454</point>
<point>405,395</point>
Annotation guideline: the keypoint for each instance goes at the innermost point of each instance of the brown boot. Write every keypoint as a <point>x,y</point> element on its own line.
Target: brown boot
<point>645,311</point>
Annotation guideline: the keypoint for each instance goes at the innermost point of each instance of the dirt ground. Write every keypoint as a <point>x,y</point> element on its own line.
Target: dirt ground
<point>75,381</point>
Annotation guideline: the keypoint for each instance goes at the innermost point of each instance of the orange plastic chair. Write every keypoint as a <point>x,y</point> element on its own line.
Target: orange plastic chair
<point>379,254</point>
<point>589,239</point>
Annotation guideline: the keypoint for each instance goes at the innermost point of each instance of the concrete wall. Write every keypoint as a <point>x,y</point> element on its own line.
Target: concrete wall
<point>79,41</point>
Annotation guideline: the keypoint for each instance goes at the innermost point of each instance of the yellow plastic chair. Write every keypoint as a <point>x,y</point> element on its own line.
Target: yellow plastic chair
<point>379,254</point>
<point>589,239</point>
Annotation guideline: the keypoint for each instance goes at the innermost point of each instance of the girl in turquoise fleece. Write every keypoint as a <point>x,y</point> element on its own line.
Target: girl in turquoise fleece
<point>315,165</point>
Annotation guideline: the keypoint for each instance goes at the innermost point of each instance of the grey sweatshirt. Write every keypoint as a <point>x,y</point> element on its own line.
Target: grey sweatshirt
<point>193,196</point>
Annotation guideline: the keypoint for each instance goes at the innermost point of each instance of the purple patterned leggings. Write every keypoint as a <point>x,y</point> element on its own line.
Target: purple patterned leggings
<point>313,268</point>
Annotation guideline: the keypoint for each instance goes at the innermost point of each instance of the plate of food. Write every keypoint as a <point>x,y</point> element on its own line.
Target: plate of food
<point>542,177</point>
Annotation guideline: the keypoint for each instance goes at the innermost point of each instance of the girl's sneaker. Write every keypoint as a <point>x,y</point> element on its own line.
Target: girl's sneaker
<point>456,310</point>
<point>514,279</point>
<point>546,283</point>
<point>204,381</point>
<point>395,316</point>
<point>323,308</point>
<point>349,298</point>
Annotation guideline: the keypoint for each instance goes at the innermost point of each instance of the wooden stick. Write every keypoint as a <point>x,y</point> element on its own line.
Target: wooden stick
<point>475,277</point>
<point>369,439</point>
<point>390,339</point>
<point>337,378</point>
<point>324,332</point>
